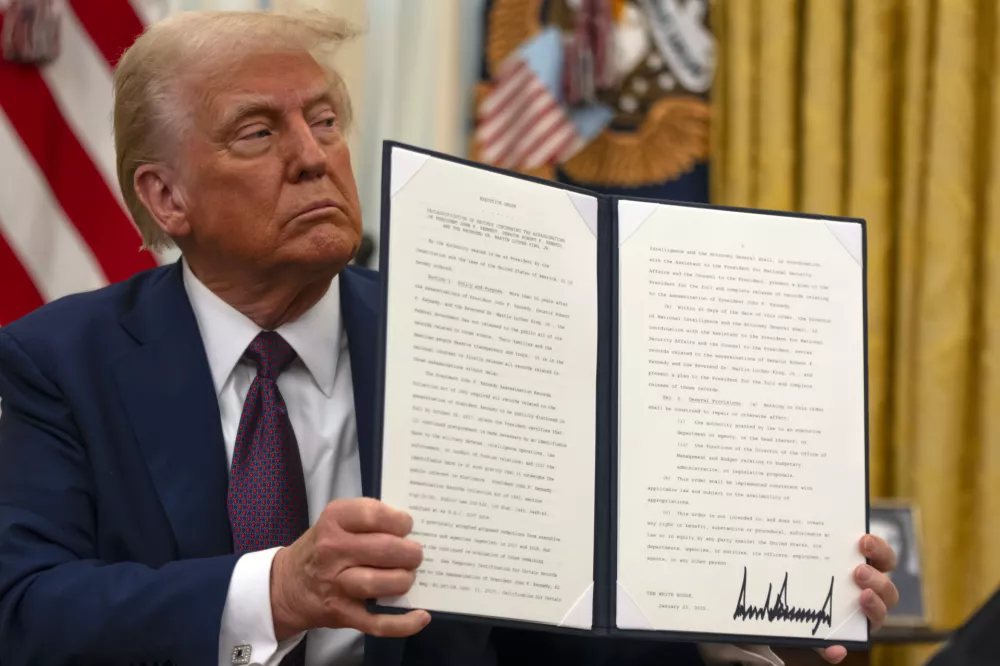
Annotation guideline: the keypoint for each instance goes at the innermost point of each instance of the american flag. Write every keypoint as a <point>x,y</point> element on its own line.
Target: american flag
<point>523,123</point>
<point>63,224</point>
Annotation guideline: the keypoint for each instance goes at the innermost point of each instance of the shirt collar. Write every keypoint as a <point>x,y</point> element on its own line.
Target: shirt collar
<point>227,333</point>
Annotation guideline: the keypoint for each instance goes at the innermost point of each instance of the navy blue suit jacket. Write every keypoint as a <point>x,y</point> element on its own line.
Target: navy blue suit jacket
<point>115,546</point>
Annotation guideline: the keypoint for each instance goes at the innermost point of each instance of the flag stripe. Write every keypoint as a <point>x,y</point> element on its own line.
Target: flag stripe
<point>533,96</point>
<point>571,147</point>
<point>72,176</point>
<point>112,24</point>
<point>524,125</point>
<point>550,146</point>
<point>63,226</point>
<point>509,85</point>
<point>534,137</point>
<point>20,295</point>
<point>37,229</point>
<point>80,82</point>
<point>565,148</point>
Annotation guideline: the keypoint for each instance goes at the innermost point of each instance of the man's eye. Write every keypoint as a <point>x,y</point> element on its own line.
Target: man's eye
<point>327,123</point>
<point>262,133</point>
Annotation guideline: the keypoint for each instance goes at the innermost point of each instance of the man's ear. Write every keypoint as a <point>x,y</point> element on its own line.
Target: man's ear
<point>156,186</point>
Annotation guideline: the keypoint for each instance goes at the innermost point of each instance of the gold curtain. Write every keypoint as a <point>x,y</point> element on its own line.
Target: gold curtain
<point>889,110</point>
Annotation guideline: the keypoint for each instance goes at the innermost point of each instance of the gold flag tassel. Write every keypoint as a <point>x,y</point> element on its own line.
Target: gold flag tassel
<point>31,31</point>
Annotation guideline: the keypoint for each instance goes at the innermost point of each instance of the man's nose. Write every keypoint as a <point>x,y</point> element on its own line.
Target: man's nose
<point>307,159</point>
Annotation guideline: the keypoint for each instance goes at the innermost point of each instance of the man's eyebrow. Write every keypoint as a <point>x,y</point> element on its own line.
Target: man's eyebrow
<point>249,105</point>
<point>324,94</point>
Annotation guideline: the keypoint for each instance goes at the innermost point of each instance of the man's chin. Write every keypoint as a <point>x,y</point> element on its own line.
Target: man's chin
<point>322,250</point>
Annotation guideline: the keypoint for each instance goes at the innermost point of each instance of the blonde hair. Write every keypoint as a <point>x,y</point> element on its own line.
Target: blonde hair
<point>149,114</point>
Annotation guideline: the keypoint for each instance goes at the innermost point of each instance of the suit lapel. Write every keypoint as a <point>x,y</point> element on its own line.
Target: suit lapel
<point>358,305</point>
<point>168,393</point>
<point>167,389</point>
<point>358,299</point>
<point>169,396</point>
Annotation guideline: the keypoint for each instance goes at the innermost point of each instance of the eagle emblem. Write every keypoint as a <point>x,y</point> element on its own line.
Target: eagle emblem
<point>651,74</point>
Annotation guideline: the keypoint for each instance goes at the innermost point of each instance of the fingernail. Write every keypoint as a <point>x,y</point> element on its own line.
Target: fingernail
<point>867,544</point>
<point>864,573</point>
<point>867,597</point>
<point>427,619</point>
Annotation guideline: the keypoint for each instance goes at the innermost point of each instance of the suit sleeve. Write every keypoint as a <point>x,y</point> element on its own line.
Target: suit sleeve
<point>59,604</point>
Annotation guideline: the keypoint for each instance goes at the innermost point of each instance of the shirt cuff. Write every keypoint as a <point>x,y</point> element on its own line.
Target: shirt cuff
<point>246,636</point>
<point>717,654</point>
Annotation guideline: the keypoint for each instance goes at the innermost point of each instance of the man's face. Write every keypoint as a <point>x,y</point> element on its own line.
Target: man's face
<point>266,172</point>
<point>890,532</point>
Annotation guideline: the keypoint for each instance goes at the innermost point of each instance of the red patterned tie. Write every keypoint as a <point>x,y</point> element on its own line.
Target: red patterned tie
<point>267,492</point>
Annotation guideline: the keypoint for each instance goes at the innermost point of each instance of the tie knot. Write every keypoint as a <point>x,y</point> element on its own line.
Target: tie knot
<point>271,353</point>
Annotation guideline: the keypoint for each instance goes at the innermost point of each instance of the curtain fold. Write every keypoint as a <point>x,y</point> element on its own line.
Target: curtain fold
<point>889,110</point>
<point>416,87</point>
<point>219,5</point>
<point>987,477</point>
<point>822,129</point>
<point>776,39</point>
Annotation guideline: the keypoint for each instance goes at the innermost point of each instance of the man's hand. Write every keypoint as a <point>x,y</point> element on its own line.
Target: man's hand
<point>878,593</point>
<point>355,551</point>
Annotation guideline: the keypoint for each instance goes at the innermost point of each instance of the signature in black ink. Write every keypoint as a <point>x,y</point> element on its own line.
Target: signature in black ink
<point>781,611</point>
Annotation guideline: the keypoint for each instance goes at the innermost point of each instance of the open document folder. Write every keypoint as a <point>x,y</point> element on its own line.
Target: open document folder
<point>622,416</point>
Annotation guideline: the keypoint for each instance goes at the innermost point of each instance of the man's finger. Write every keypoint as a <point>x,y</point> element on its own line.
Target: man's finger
<point>385,551</point>
<point>371,583</point>
<point>366,515</point>
<point>834,655</point>
<point>878,552</point>
<point>874,608</point>
<point>388,626</point>
<point>869,578</point>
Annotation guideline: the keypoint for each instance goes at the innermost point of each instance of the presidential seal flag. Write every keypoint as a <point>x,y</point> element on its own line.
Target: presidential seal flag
<point>611,95</point>
<point>523,123</point>
<point>63,225</point>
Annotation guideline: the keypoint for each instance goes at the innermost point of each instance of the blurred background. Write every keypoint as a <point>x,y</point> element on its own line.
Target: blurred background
<point>887,110</point>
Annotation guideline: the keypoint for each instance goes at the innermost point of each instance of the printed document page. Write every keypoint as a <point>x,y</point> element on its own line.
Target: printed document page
<point>489,425</point>
<point>742,450</point>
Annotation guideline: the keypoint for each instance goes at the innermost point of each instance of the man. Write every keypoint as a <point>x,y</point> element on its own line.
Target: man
<point>895,526</point>
<point>183,456</point>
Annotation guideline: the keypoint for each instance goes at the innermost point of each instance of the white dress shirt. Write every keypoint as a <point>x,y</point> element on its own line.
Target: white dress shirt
<point>319,395</point>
